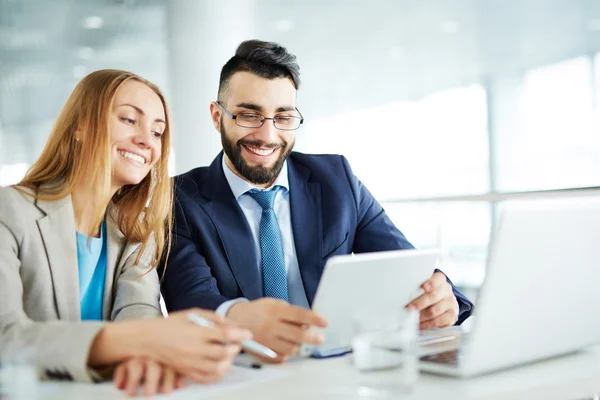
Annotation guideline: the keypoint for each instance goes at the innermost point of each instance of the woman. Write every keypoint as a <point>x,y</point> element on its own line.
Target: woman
<point>80,237</point>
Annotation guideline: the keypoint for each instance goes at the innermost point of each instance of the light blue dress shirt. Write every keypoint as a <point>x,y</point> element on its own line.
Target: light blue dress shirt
<point>253,211</point>
<point>91,257</point>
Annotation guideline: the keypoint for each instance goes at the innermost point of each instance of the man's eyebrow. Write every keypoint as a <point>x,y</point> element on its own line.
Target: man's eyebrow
<point>250,106</point>
<point>256,107</point>
<point>285,108</point>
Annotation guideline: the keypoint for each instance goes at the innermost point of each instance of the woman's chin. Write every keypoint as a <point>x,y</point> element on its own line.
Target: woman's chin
<point>130,180</point>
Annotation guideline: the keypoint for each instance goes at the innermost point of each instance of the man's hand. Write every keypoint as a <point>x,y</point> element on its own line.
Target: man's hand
<point>438,305</point>
<point>278,325</point>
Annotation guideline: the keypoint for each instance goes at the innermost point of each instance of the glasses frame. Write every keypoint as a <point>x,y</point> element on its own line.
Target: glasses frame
<point>262,122</point>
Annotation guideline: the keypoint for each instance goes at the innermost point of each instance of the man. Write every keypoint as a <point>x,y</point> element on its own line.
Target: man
<point>254,229</point>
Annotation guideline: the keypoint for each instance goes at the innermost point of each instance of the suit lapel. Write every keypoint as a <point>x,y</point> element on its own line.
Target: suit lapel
<point>58,233</point>
<point>115,243</point>
<point>233,229</point>
<point>305,208</point>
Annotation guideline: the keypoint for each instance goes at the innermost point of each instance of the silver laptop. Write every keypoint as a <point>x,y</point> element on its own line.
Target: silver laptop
<point>365,282</point>
<point>541,295</point>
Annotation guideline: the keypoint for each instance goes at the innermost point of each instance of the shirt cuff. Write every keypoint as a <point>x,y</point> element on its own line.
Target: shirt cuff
<point>101,374</point>
<point>223,309</point>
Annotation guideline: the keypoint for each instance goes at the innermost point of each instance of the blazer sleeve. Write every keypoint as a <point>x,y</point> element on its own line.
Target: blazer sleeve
<point>188,281</point>
<point>137,289</point>
<point>376,232</point>
<point>58,348</point>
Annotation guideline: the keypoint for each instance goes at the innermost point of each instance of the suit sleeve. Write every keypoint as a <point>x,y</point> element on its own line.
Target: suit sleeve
<point>137,293</point>
<point>188,281</point>
<point>59,349</point>
<point>376,232</point>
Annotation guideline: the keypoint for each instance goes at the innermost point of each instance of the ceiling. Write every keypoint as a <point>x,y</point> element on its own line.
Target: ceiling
<point>390,50</point>
<point>352,53</point>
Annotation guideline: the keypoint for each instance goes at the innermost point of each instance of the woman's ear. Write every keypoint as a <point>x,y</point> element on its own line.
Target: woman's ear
<point>77,136</point>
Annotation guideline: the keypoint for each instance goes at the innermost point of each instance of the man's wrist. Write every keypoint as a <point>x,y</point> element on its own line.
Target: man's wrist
<point>457,311</point>
<point>223,309</point>
<point>235,310</point>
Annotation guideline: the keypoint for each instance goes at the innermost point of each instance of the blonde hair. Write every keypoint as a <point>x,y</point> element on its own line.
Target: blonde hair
<point>141,211</point>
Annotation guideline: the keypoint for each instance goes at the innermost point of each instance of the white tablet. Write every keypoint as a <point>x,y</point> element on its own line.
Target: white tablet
<point>369,282</point>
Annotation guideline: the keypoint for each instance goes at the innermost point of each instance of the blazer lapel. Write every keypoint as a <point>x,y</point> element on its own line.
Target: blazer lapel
<point>115,244</point>
<point>233,230</point>
<point>307,226</point>
<point>58,233</point>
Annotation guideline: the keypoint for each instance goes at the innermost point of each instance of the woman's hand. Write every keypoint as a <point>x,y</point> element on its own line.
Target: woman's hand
<point>200,353</point>
<point>153,377</point>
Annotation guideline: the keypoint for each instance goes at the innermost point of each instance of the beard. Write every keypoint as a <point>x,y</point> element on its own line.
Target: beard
<point>258,174</point>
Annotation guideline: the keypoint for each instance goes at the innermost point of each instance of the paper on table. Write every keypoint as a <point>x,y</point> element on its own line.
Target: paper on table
<point>237,378</point>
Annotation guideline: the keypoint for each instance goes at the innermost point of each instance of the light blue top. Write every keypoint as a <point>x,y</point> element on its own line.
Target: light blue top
<point>91,257</point>
<point>253,211</point>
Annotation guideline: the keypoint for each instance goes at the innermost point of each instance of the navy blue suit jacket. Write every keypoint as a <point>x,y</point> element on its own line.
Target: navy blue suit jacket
<point>213,258</point>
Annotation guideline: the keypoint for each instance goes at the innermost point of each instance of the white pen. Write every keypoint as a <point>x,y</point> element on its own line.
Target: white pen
<point>249,345</point>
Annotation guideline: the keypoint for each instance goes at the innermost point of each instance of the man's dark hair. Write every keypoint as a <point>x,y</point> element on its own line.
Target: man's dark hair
<point>266,59</point>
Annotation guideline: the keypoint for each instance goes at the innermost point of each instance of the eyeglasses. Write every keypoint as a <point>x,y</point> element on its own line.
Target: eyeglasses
<point>255,120</point>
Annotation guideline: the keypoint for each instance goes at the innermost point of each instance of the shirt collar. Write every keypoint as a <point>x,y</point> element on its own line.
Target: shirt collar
<point>239,186</point>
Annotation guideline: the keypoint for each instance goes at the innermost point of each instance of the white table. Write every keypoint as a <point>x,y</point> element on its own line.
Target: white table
<point>571,377</point>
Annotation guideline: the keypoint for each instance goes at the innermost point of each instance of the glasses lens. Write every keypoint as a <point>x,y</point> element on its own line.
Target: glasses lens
<point>249,120</point>
<point>287,122</point>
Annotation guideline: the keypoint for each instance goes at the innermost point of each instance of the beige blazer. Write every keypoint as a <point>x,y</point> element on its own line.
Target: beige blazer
<point>39,285</point>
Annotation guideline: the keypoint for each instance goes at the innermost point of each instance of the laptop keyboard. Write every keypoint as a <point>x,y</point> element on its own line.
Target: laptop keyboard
<point>450,357</point>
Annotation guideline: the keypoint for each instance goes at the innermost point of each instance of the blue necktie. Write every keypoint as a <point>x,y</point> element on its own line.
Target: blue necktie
<point>274,275</point>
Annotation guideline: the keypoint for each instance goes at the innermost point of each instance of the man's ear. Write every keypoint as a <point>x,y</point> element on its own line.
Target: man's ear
<point>215,115</point>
